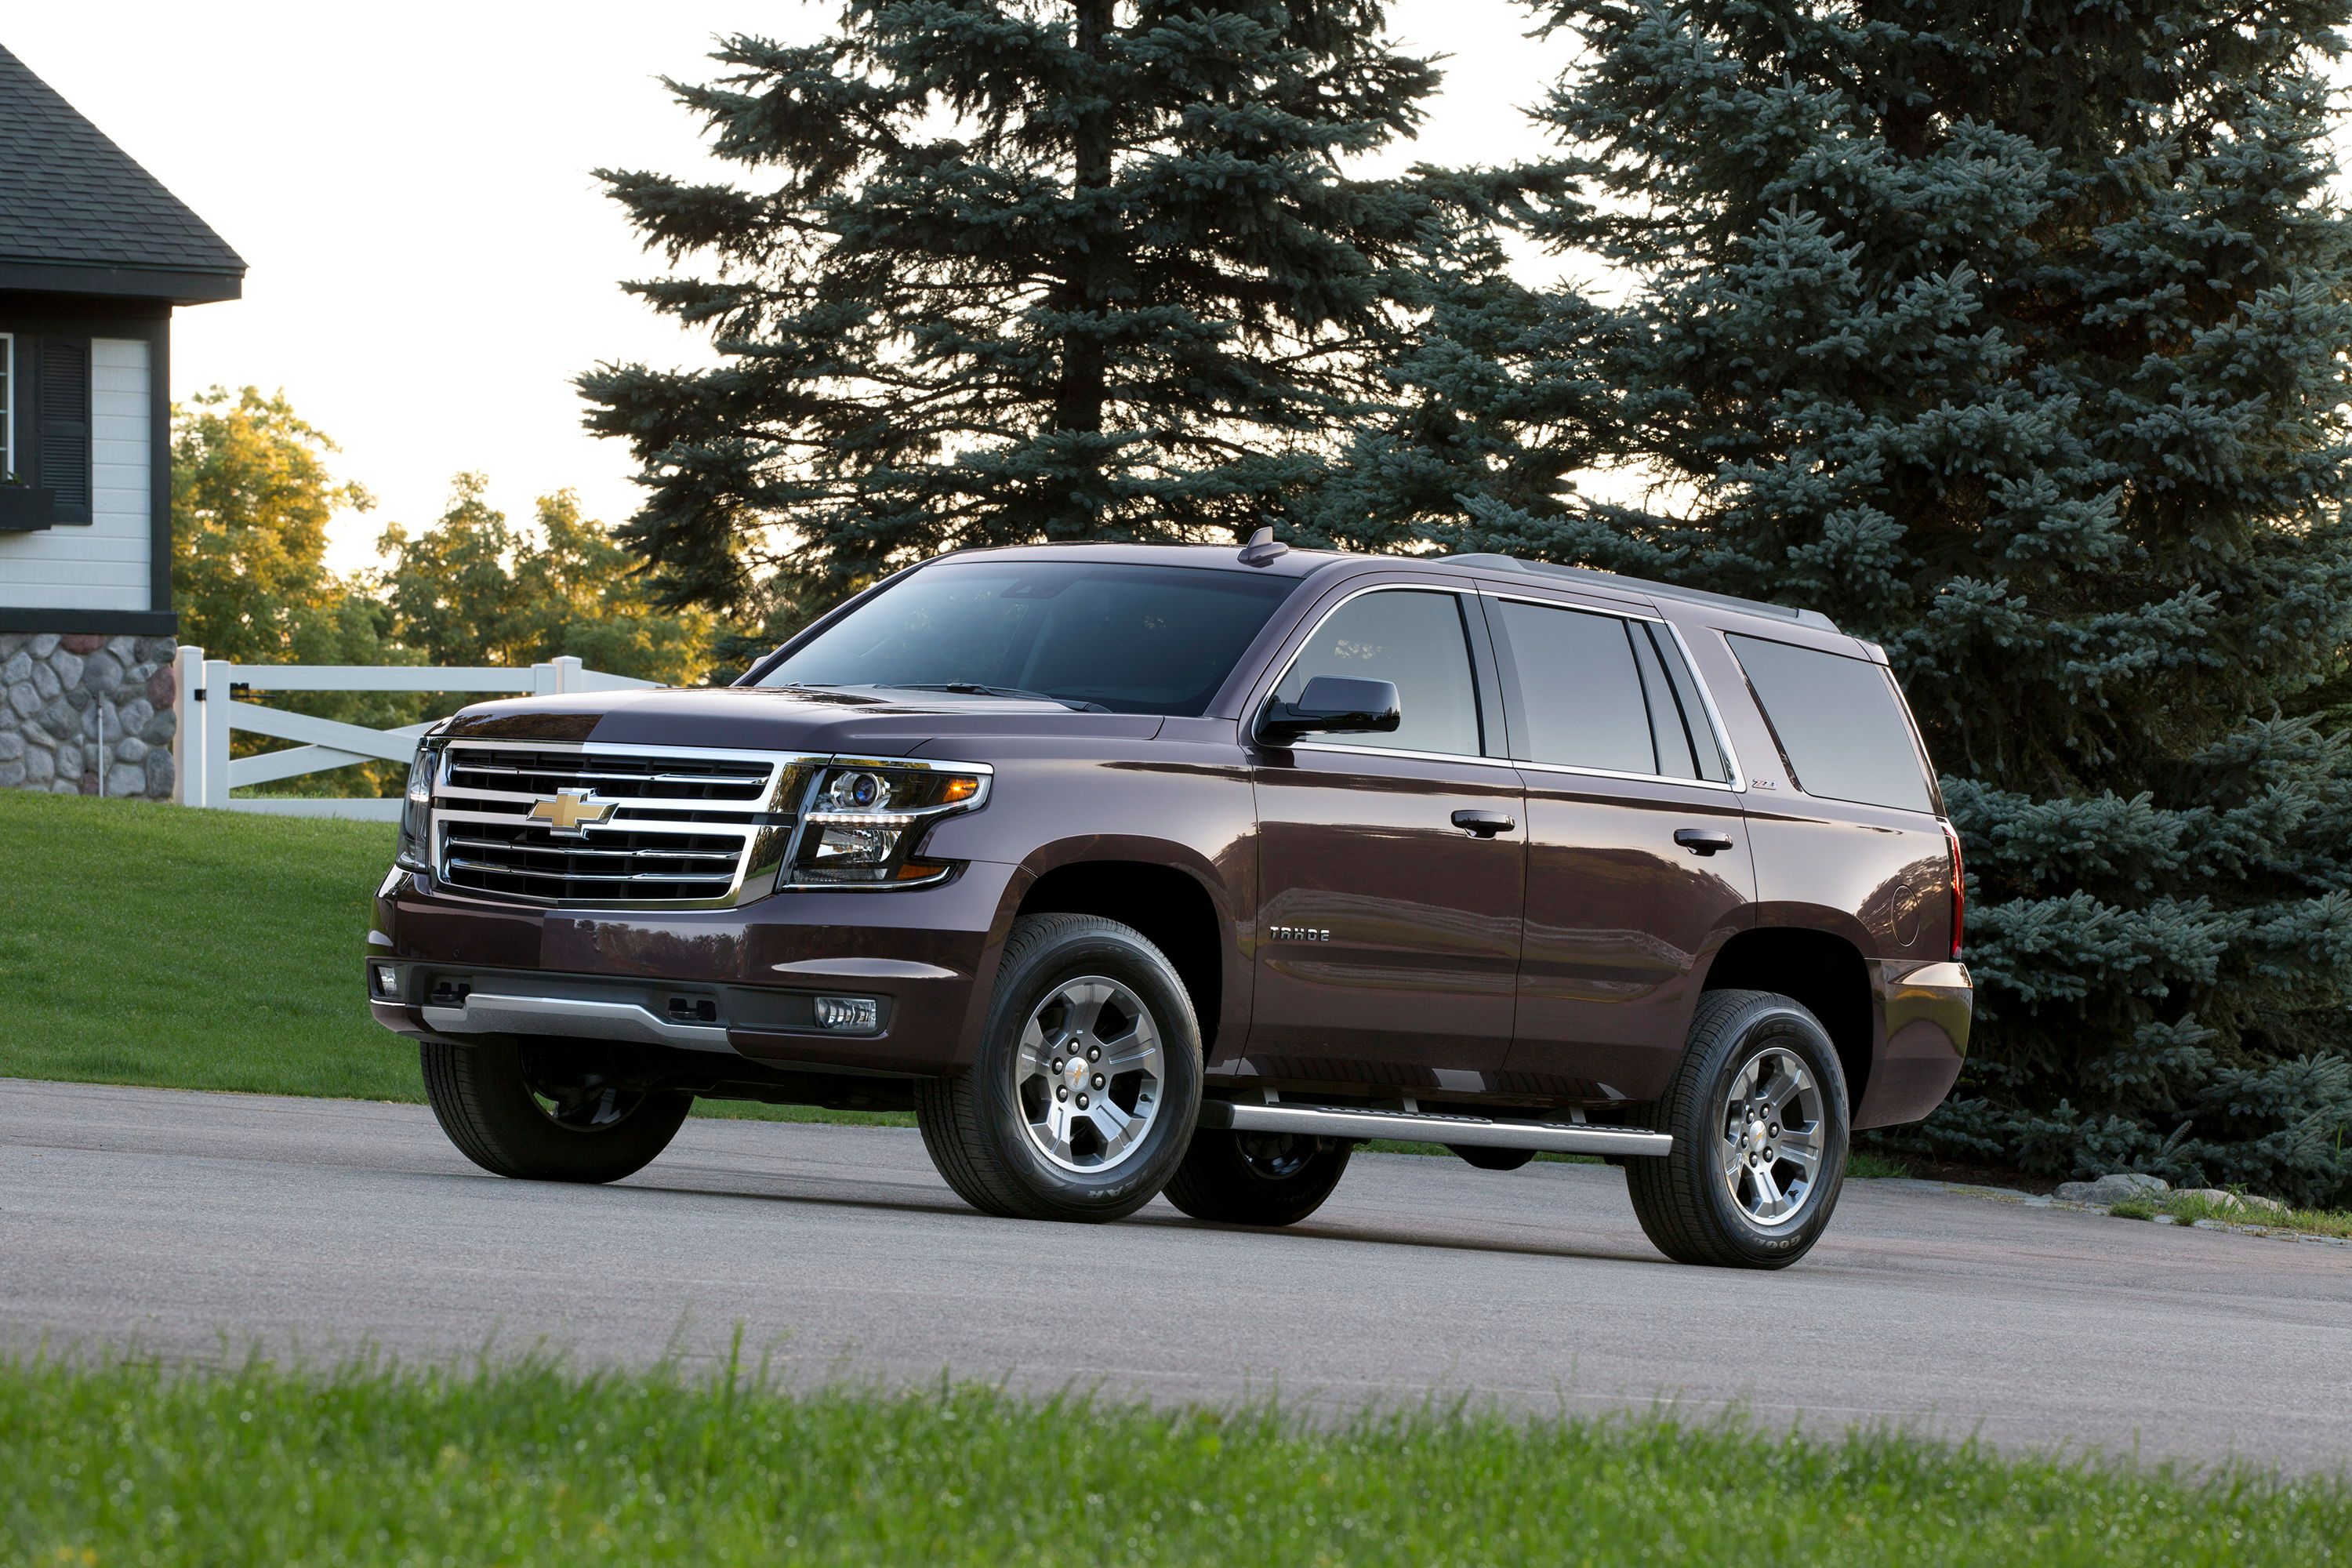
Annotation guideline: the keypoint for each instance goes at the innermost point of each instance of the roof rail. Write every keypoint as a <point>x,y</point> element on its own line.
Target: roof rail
<point>1812,618</point>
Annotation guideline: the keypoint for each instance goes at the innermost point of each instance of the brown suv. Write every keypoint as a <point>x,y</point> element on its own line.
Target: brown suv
<point>1133,869</point>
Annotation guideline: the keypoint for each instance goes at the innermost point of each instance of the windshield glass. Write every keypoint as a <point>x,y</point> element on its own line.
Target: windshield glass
<point>1131,639</point>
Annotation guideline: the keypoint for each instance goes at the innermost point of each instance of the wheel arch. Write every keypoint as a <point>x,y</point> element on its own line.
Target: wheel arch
<point>1822,968</point>
<point>1167,893</point>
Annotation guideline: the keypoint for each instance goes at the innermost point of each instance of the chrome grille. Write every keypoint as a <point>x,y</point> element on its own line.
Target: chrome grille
<point>494,857</point>
<point>532,771</point>
<point>685,828</point>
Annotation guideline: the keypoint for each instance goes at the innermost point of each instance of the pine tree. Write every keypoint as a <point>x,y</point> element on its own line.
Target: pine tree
<point>1495,403</point>
<point>2013,337</point>
<point>1017,270</point>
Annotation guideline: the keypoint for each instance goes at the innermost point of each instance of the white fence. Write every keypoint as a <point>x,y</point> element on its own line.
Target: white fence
<point>209,710</point>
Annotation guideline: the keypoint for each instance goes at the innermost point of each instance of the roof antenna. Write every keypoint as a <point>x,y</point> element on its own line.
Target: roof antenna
<point>1262,549</point>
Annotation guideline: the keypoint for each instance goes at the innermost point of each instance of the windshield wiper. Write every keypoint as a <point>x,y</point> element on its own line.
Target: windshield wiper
<point>978,688</point>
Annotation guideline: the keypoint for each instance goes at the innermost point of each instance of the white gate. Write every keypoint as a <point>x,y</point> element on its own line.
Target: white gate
<point>208,710</point>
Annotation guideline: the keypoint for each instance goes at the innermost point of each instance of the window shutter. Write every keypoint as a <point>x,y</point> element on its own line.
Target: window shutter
<point>62,445</point>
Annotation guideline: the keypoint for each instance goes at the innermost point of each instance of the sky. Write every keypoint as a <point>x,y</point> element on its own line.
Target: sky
<point>431,258</point>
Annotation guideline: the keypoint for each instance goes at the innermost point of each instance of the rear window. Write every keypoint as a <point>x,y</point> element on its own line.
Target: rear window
<point>1841,726</point>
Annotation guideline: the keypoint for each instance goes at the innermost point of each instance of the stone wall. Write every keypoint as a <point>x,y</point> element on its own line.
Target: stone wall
<point>63,701</point>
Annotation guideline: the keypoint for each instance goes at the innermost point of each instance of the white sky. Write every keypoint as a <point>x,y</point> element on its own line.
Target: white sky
<point>430,260</point>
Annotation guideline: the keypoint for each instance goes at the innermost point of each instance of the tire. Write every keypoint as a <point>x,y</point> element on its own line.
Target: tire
<point>490,1099</point>
<point>1706,1202</point>
<point>992,1130</point>
<point>1257,1178</point>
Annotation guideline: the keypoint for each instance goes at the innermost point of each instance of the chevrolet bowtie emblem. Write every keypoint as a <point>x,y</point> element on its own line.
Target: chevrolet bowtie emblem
<point>570,811</point>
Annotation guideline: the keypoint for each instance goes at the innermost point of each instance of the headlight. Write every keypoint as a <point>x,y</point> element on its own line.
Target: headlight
<point>416,853</point>
<point>866,821</point>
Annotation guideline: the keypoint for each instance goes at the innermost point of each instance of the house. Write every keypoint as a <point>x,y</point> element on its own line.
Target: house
<point>94,257</point>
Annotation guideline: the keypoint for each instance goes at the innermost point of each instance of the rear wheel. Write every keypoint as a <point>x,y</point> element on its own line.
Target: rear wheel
<point>1257,1178</point>
<point>1757,1110</point>
<point>1082,1097</point>
<point>547,1112</point>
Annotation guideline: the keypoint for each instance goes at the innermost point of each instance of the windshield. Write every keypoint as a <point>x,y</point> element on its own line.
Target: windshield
<point>1131,639</point>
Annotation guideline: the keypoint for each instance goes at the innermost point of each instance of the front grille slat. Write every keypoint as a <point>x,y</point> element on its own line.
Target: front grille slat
<point>709,811</point>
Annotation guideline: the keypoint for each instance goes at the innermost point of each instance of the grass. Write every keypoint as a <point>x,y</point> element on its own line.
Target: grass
<point>2188,1208</point>
<point>525,1464</point>
<point>155,944</point>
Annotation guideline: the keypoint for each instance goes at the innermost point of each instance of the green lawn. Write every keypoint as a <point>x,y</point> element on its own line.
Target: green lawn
<point>154,944</point>
<point>523,1465</point>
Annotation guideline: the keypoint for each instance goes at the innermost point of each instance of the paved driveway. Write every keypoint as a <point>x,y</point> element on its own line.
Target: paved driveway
<point>173,1221</point>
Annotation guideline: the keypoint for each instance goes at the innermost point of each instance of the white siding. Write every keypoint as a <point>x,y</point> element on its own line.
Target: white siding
<point>105,565</point>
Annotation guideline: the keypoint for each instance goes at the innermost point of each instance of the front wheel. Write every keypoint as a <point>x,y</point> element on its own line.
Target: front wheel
<point>548,1112</point>
<point>1757,1110</point>
<point>1083,1094</point>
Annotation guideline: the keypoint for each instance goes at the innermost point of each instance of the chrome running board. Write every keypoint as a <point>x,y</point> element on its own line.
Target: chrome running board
<point>1431,1127</point>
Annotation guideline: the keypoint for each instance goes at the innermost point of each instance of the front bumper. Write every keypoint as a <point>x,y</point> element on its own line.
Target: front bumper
<point>740,980</point>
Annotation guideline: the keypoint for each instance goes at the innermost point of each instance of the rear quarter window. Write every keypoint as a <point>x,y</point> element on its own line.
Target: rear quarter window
<point>1840,723</point>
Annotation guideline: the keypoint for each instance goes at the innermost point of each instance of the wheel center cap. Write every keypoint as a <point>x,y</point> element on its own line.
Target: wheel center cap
<point>1755,1139</point>
<point>1076,1071</point>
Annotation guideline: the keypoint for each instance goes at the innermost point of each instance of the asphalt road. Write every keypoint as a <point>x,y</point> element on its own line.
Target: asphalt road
<point>196,1225</point>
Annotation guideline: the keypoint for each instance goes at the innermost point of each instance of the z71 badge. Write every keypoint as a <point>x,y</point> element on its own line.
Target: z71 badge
<point>1299,933</point>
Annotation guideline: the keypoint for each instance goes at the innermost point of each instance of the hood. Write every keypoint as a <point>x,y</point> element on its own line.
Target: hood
<point>748,718</point>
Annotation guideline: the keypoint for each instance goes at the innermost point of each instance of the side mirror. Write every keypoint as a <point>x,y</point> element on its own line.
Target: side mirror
<point>1332,705</point>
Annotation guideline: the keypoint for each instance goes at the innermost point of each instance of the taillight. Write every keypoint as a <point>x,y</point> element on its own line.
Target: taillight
<point>1959,891</point>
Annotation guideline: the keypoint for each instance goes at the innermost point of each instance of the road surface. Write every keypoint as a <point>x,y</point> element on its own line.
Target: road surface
<point>190,1224</point>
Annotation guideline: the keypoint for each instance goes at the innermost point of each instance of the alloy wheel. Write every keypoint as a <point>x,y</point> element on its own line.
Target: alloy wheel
<point>1090,1074</point>
<point>1772,1137</point>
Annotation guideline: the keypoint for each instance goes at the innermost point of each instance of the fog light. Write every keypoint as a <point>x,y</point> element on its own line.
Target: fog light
<point>847,1013</point>
<point>387,981</point>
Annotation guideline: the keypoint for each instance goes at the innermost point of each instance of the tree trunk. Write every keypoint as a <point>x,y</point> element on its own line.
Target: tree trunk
<point>1078,403</point>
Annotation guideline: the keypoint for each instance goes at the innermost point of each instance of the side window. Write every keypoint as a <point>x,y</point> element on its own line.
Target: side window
<point>1841,728</point>
<point>1580,702</point>
<point>1687,748</point>
<point>1414,638</point>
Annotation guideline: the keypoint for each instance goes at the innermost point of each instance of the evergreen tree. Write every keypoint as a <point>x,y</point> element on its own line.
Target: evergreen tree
<point>1494,404</point>
<point>1017,270</point>
<point>2013,336</point>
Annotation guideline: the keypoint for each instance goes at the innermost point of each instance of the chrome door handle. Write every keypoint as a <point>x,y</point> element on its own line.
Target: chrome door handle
<point>1484,824</point>
<point>1702,840</point>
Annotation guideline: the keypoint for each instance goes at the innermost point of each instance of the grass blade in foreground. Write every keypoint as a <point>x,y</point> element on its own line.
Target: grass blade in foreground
<point>529,1464</point>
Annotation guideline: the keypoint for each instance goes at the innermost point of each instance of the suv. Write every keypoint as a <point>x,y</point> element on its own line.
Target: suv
<point>1132,869</point>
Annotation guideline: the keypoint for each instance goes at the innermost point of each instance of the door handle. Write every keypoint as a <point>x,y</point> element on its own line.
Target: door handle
<point>1701,840</point>
<point>1484,824</point>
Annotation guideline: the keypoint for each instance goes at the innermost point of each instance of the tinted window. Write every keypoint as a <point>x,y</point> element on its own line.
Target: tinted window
<point>1690,709</point>
<point>1414,639</point>
<point>1134,639</point>
<point>1580,691</point>
<point>1839,723</point>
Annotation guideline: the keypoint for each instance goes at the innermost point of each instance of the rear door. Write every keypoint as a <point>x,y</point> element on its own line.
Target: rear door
<point>1387,935</point>
<point>1638,862</point>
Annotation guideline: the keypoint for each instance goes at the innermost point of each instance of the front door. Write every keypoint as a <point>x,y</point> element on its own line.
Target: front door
<point>1639,866</point>
<point>1391,865</point>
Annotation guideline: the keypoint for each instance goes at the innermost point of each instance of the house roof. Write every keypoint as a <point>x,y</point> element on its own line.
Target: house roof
<point>79,215</point>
